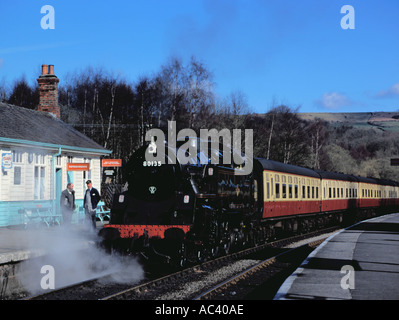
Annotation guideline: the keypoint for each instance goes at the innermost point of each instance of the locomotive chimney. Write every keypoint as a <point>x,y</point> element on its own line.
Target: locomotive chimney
<point>48,91</point>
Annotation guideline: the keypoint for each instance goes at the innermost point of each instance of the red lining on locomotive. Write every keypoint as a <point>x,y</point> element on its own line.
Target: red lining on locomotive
<point>129,231</point>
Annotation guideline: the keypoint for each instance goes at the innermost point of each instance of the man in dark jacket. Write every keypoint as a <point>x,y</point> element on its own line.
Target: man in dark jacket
<point>67,203</point>
<point>91,199</point>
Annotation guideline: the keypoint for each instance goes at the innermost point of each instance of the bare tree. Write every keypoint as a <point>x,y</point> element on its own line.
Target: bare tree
<point>174,77</point>
<point>317,134</point>
<point>199,90</point>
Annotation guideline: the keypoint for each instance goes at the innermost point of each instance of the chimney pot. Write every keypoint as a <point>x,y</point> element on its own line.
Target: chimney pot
<point>51,69</point>
<point>44,69</point>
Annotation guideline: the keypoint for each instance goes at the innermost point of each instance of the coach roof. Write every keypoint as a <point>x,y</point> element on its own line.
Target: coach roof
<point>337,176</point>
<point>286,168</point>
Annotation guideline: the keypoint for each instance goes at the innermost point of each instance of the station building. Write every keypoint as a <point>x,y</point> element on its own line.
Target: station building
<point>40,154</point>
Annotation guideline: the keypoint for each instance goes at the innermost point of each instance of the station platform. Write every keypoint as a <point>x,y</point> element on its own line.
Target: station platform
<point>357,263</point>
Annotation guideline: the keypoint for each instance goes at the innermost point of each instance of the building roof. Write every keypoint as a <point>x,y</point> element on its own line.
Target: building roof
<point>18,124</point>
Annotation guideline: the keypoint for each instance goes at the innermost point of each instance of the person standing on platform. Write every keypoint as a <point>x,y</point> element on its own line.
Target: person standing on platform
<point>67,203</point>
<point>91,199</point>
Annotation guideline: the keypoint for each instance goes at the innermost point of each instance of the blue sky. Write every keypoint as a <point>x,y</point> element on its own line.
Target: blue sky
<point>274,51</point>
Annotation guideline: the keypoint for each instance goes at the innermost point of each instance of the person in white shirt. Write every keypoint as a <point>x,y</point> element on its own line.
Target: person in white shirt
<point>91,199</point>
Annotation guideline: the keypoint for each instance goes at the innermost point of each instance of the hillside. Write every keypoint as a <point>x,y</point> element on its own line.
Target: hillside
<point>385,121</point>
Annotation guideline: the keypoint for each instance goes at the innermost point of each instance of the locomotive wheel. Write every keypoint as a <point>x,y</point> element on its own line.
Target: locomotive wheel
<point>214,252</point>
<point>229,243</point>
<point>180,260</point>
<point>200,255</point>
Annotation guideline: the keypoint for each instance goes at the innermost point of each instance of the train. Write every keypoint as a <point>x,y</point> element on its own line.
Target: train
<point>175,213</point>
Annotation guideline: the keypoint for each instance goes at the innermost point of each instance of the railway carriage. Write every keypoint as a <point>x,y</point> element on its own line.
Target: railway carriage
<point>289,189</point>
<point>339,191</point>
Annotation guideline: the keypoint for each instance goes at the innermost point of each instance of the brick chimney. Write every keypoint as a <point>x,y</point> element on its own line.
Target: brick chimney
<point>48,91</point>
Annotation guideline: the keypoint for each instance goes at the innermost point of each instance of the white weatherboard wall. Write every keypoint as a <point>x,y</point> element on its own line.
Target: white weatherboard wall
<point>14,197</point>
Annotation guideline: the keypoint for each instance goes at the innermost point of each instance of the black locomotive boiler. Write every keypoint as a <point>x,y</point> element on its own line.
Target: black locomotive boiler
<point>179,211</point>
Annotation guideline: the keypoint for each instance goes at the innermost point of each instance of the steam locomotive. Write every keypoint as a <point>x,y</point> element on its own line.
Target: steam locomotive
<point>198,210</point>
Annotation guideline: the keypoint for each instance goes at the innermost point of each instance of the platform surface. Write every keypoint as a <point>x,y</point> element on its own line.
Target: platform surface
<point>358,263</point>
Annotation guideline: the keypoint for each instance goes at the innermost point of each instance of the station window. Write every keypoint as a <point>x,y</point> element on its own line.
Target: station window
<point>16,156</point>
<point>17,175</point>
<point>39,159</point>
<point>40,176</point>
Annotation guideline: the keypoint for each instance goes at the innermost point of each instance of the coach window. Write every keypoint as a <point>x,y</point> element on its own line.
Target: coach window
<point>303,192</point>
<point>284,191</point>
<point>296,191</point>
<point>267,190</point>
<point>272,186</point>
<point>308,192</point>
<point>290,191</point>
<point>277,190</point>
<point>317,192</point>
<point>329,193</point>
<point>312,192</point>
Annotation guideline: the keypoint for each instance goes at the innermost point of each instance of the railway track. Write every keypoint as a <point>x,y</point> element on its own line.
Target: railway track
<point>209,280</point>
<point>263,279</point>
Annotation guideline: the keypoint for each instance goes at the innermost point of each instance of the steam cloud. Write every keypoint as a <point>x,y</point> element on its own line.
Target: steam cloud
<point>75,258</point>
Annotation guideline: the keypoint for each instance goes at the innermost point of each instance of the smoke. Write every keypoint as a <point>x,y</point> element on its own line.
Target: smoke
<point>72,256</point>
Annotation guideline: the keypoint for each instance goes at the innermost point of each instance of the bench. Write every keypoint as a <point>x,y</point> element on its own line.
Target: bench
<point>39,215</point>
<point>102,213</point>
